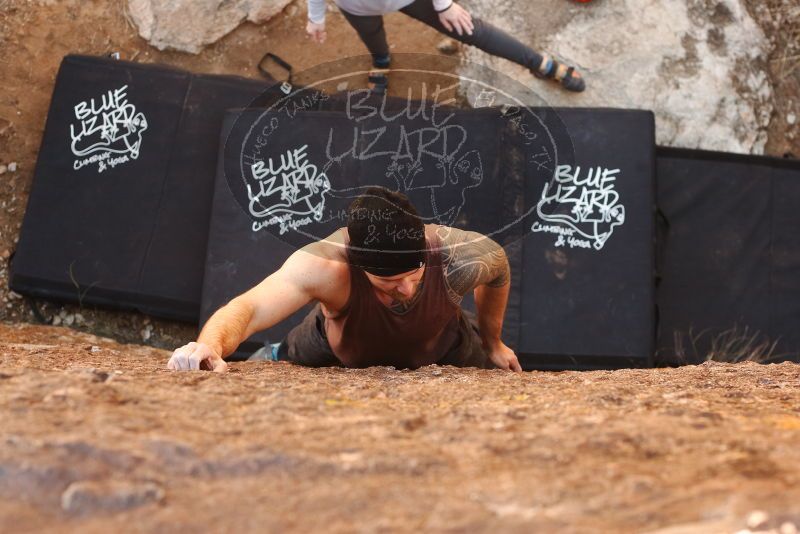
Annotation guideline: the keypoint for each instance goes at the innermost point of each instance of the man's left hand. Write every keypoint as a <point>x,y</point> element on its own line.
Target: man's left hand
<point>457,19</point>
<point>503,357</point>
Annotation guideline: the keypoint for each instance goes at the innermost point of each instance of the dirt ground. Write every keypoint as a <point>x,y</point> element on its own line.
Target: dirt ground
<point>100,437</point>
<point>780,20</point>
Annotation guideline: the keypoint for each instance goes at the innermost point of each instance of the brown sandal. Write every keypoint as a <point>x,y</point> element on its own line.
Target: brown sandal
<point>567,77</point>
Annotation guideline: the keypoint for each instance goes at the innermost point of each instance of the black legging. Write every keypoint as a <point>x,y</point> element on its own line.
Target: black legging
<point>484,36</point>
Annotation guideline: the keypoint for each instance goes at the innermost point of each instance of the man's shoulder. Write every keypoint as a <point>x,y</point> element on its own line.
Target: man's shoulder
<point>324,261</point>
<point>332,247</point>
<point>449,236</point>
<point>321,268</point>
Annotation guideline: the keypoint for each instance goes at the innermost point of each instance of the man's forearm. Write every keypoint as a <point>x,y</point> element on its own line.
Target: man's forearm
<point>226,329</point>
<point>491,304</point>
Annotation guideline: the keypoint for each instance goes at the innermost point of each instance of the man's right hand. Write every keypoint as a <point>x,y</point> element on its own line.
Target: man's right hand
<point>317,31</point>
<point>196,356</point>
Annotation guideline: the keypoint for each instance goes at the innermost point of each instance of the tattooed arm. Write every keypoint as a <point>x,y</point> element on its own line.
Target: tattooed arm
<point>470,260</point>
<point>474,262</point>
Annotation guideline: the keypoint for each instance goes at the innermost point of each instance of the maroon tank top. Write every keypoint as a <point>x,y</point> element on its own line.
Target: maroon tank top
<point>367,332</point>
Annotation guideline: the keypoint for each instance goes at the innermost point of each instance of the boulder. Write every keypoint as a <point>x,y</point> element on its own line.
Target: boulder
<point>189,25</point>
<point>700,65</point>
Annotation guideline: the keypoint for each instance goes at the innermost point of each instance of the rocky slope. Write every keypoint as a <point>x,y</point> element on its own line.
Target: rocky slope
<point>100,437</point>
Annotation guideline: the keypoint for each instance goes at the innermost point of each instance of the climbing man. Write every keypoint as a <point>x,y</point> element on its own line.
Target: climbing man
<point>387,290</point>
<point>449,18</point>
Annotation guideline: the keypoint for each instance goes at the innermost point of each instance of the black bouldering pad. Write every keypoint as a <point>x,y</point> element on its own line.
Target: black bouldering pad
<point>489,181</point>
<point>587,262</point>
<point>119,206</point>
<point>729,256</point>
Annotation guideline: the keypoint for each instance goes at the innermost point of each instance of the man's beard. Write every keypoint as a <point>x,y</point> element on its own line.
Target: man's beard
<point>399,297</point>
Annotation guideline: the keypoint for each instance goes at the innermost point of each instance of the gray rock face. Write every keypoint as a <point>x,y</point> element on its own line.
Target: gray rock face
<point>700,65</point>
<point>188,25</point>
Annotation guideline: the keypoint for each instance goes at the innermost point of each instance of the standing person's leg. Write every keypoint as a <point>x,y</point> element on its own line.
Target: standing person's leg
<point>370,30</point>
<point>498,43</point>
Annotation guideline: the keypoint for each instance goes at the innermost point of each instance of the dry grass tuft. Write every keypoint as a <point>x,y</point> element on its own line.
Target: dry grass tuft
<point>738,344</point>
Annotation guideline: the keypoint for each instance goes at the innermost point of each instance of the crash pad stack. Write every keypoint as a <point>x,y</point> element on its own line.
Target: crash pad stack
<point>170,193</point>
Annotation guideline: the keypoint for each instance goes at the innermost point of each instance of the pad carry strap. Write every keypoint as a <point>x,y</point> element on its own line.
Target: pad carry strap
<point>286,66</point>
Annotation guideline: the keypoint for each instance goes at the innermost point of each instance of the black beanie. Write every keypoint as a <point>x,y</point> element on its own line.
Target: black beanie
<point>387,235</point>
